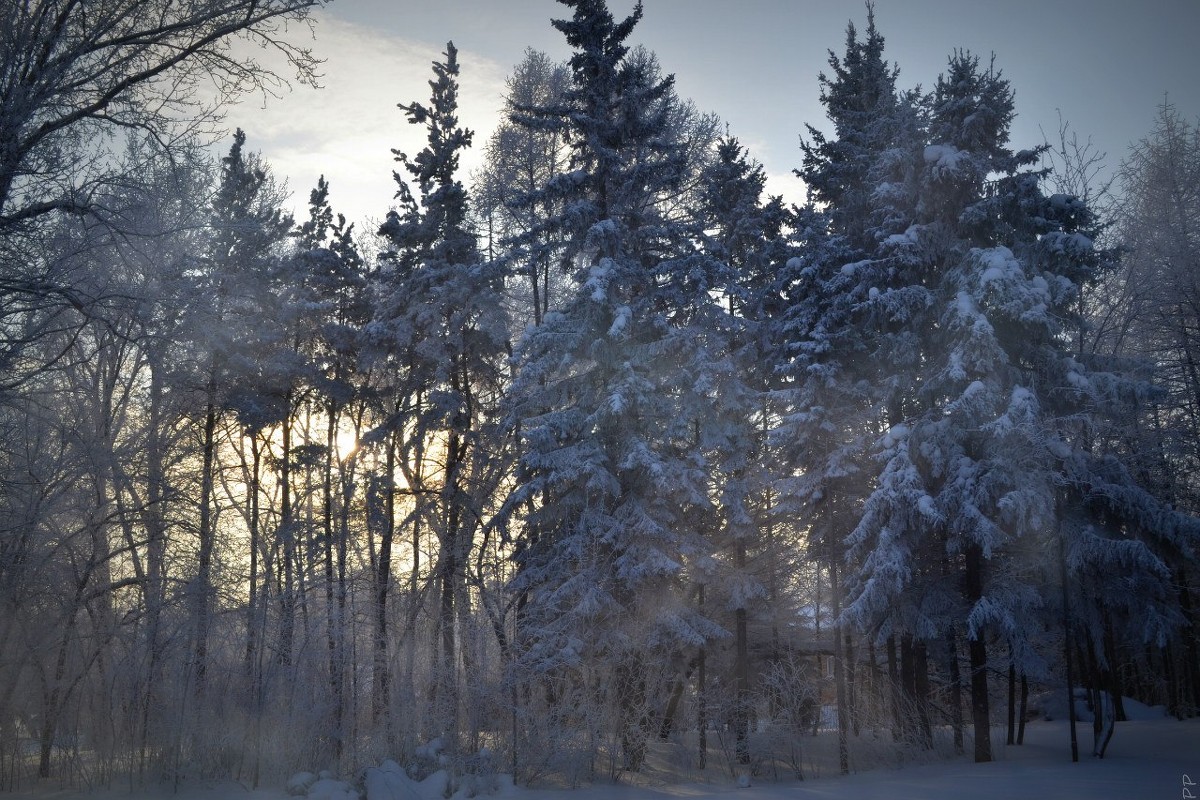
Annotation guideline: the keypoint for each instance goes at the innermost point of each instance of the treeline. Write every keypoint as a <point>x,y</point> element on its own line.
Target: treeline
<point>598,447</point>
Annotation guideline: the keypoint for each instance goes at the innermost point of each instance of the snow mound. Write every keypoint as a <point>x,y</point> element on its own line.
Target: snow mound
<point>299,783</point>
<point>332,789</point>
<point>1135,711</point>
<point>388,781</point>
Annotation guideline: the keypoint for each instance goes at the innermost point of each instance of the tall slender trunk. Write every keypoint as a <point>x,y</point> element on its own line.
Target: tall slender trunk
<point>202,591</point>
<point>977,651</point>
<point>956,698</point>
<point>1171,678</point>
<point>924,700</point>
<point>287,533</point>
<point>1012,701</point>
<point>56,690</point>
<point>896,689</point>
<point>449,569</point>
<point>1191,640</point>
<point>1112,675</point>
<point>382,702</point>
<point>908,690</point>
<point>156,532</point>
<point>702,692</point>
<point>333,625</point>
<point>347,476</point>
<point>1066,602</point>
<point>838,672</point>
<point>1024,709</point>
<point>253,490</point>
<point>851,682</point>
<point>741,669</point>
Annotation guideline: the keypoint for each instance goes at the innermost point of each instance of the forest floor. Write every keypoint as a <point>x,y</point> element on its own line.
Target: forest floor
<point>1149,757</point>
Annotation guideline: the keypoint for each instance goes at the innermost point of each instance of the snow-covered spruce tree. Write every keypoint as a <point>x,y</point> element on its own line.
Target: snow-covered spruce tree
<point>1122,543</point>
<point>933,517</point>
<point>831,392</point>
<point>861,103</point>
<point>745,235</point>
<point>440,316</point>
<point>529,149</point>
<point>613,499</point>
<point>986,460</point>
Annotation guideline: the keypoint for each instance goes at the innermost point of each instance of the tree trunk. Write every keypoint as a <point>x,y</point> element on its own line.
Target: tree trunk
<point>908,691</point>
<point>386,518</point>
<point>55,690</point>
<point>977,650</point>
<point>851,683</point>
<point>1024,709</point>
<point>1171,677</point>
<point>668,719</point>
<point>839,678</point>
<point>203,585</point>
<point>1012,702</point>
<point>956,698</point>
<point>256,620</point>
<point>895,688</point>
<point>924,701</point>
<point>343,538</point>
<point>287,534</point>
<point>1190,635</point>
<point>702,693</point>
<point>333,625</point>
<point>252,605</point>
<point>741,669</point>
<point>1066,601</point>
<point>635,723</point>
<point>449,570</point>
<point>156,534</point>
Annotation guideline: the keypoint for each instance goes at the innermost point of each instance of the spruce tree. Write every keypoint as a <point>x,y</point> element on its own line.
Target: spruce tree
<point>831,393</point>
<point>985,462</point>
<point>612,401</point>
<point>860,102</point>
<point>745,234</point>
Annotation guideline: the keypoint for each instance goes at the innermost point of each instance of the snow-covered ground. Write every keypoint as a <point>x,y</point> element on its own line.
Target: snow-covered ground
<point>1149,757</point>
<point>1146,759</point>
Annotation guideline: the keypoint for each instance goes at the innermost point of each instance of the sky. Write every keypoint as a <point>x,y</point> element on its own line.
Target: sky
<point>1103,65</point>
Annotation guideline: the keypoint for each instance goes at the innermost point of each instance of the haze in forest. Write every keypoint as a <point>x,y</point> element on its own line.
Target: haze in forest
<point>586,457</point>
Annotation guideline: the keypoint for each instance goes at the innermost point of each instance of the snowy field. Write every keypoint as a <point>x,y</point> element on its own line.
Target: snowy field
<point>1150,757</point>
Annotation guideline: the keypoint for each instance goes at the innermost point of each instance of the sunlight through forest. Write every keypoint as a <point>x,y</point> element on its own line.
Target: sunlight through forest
<point>596,458</point>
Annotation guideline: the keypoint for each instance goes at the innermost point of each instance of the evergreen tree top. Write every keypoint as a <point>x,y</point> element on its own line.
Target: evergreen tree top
<point>861,102</point>
<point>597,38</point>
<point>437,164</point>
<point>438,227</point>
<point>245,214</point>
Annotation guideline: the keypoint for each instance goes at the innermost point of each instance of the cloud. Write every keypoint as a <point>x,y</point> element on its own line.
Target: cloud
<point>347,129</point>
<point>787,185</point>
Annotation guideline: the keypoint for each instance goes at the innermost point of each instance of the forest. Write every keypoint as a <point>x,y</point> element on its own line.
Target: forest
<point>595,452</point>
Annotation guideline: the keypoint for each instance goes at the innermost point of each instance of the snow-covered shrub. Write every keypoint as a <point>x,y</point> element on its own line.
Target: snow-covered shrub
<point>790,692</point>
<point>556,736</point>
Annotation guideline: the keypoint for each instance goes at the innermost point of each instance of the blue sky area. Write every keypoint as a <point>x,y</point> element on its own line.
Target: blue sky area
<point>1105,64</point>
